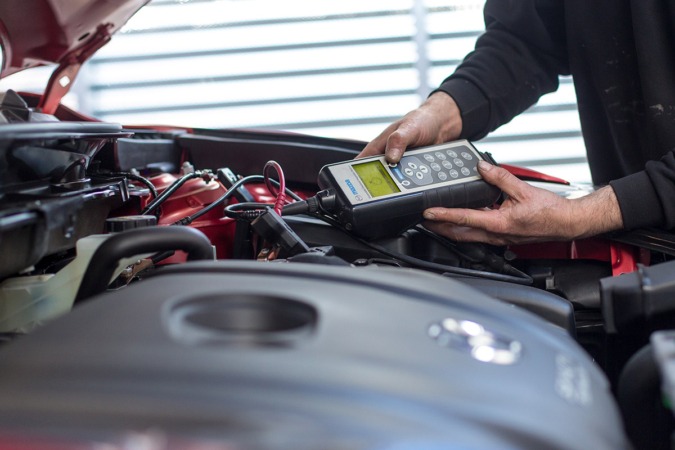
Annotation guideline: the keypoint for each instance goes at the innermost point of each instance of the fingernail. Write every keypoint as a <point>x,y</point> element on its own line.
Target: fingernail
<point>429,215</point>
<point>484,166</point>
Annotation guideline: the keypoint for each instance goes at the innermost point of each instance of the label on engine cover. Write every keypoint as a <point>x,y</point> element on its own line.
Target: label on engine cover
<point>572,381</point>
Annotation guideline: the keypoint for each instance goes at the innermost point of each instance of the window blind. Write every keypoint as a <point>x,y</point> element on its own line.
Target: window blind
<point>339,69</point>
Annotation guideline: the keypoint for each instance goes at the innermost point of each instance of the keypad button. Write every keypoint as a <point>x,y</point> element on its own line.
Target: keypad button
<point>424,169</point>
<point>447,164</point>
<point>466,172</point>
<point>451,154</point>
<point>468,156</point>
<point>419,175</point>
<point>440,156</point>
<point>412,165</point>
<point>458,162</point>
<point>429,157</point>
<point>453,173</point>
<point>435,166</point>
<point>408,171</point>
<point>442,176</point>
<point>405,183</point>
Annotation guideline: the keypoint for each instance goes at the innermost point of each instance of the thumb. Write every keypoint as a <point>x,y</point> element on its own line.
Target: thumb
<point>503,179</point>
<point>397,142</point>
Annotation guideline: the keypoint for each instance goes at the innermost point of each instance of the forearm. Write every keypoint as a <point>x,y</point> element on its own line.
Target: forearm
<point>595,213</point>
<point>515,61</point>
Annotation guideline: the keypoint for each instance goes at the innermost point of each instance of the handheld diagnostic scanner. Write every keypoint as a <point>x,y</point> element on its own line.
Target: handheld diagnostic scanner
<point>374,199</point>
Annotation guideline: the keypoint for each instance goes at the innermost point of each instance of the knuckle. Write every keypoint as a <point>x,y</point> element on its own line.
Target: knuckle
<point>501,173</point>
<point>466,220</point>
<point>397,138</point>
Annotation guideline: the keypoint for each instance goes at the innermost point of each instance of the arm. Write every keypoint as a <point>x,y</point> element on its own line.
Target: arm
<point>646,197</point>
<point>528,215</point>
<point>516,60</point>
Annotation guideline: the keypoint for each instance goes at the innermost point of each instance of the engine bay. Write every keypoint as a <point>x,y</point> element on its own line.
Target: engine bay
<point>151,280</point>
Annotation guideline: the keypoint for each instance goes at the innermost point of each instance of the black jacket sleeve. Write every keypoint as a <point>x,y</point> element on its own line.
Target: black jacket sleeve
<point>647,198</point>
<point>516,61</point>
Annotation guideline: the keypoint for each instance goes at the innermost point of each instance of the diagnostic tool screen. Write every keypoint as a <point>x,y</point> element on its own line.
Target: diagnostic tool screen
<point>376,178</point>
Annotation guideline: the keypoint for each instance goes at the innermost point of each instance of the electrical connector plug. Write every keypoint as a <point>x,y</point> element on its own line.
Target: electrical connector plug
<point>275,230</point>
<point>324,200</point>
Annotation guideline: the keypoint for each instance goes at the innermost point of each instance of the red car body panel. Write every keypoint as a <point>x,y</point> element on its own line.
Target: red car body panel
<point>37,32</point>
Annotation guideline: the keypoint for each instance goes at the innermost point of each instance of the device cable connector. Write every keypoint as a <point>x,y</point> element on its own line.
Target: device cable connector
<point>272,228</point>
<point>323,201</point>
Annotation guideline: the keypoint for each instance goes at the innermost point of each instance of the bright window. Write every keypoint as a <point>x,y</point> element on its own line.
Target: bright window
<point>333,68</point>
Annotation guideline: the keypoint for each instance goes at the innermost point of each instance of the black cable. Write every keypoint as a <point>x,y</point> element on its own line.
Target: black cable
<point>151,187</point>
<point>324,201</point>
<point>230,192</point>
<point>169,191</point>
<point>246,210</point>
<point>309,206</point>
<point>454,247</point>
<point>251,178</point>
<point>436,267</point>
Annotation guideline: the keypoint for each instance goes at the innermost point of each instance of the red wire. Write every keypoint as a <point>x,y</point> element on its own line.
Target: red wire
<point>281,192</point>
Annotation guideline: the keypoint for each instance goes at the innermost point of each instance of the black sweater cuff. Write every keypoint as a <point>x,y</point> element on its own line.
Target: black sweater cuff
<point>473,105</point>
<point>638,200</point>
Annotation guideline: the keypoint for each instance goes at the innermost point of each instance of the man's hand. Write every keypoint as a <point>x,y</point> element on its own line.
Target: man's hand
<point>529,214</point>
<point>436,121</point>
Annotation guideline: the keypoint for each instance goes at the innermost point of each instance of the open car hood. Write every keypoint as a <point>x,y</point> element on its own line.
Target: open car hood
<point>36,32</point>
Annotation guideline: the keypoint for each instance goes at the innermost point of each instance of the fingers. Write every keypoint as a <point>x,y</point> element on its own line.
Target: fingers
<point>373,148</point>
<point>398,141</point>
<point>503,179</point>
<point>485,220</point>
<point>462,234</point>
<point>393,142</point>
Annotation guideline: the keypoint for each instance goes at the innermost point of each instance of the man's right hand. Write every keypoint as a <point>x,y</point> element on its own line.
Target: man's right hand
<point>437,120</point>
<point>529,214</point>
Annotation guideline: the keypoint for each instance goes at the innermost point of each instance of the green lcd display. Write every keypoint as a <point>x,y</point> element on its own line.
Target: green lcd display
<point>376,179</point>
